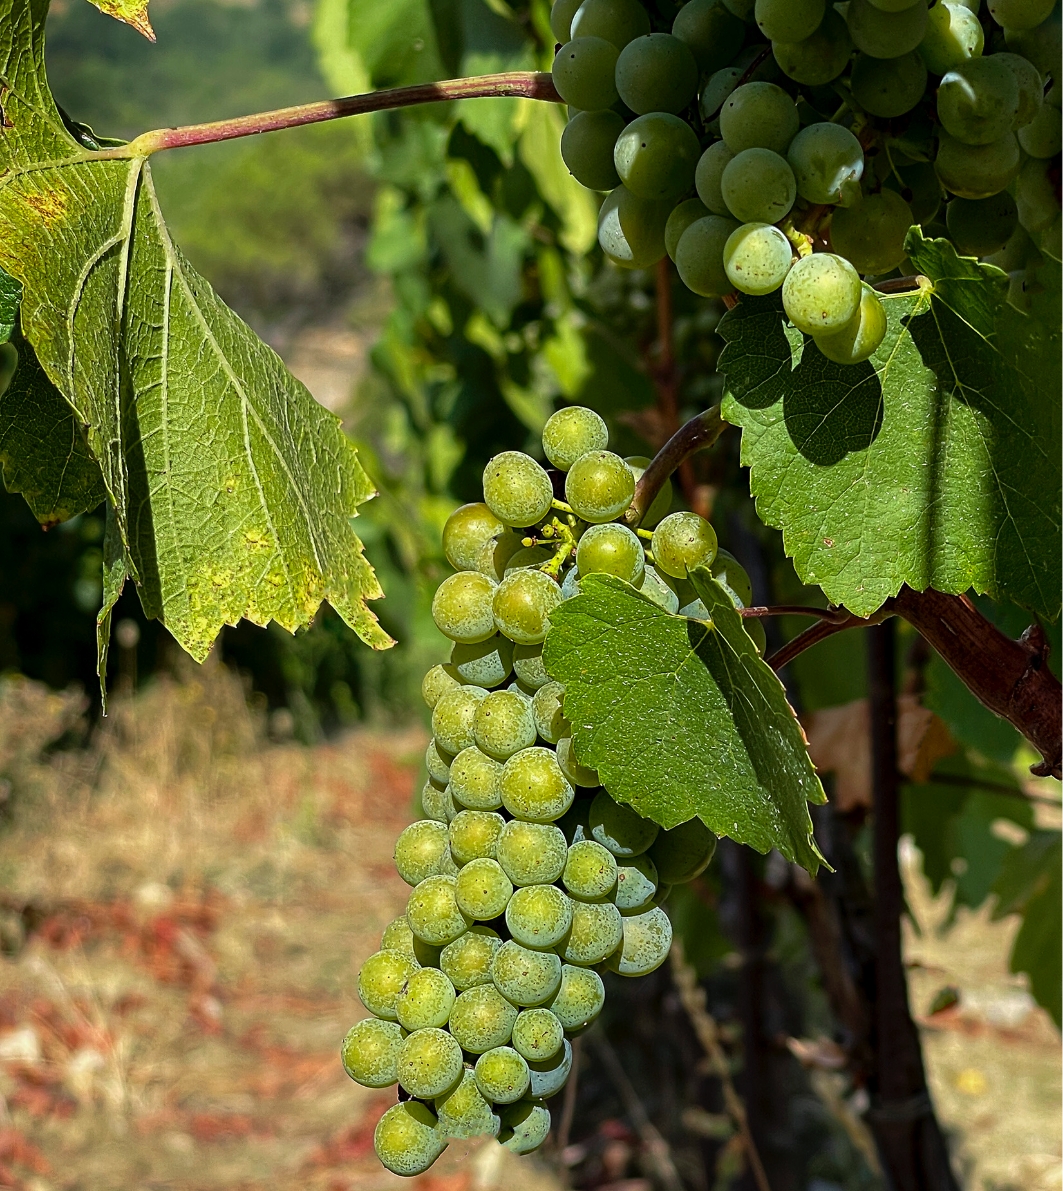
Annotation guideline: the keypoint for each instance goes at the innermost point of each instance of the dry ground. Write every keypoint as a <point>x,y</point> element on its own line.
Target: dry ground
<point>184,910</point>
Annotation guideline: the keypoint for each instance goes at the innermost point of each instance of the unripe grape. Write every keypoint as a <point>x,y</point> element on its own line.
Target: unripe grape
<point>611,549</point>
<point>466,532</point>
<point>596,932</point>
<point>561,15</point>
<point>438,681</point>
<point>429,1063</point>
<point>953,34</point>
<point>858,340</point>
<point>452,718</point>
<point>757,258</point>
<point>587,149</point>
<point>419,850</point>
<point>978,100</point>
<point>577,774</point>
<point>821,292</point>
<point>584,73</point>
<point>580,998</point>
<point>618,21</point>
<point>1020,14</point>
<point>590,871</point>
<point>709,174</point>
<point>501,1075</point>
<point>532,853</point>
<point>654,587</point>
<point>656,73</point>
<point>631,230</point>
<point>828,163</point>
<point>548,1077</point>
<point>464,1113</point>
<point>426,1000</point>
<point>789,20</point>
<point>547,706</point>
<point>433,912</point>
<point>820,57</point>
<point>528,558</point>
<point>1031,87</point>
<point>647,940</point>
<point>886,34</point>
<point>682,853</point>
<point>522,606</point>
<point>406,1139</point>
<point>525,977</point>
<point>482,1019</point>
<point>524,1126</point>
<point>476,780</point>
<point>699,256</point>
<point>534,787</point>
<point>496,554</point>
<point>732,577</point>
<point>572,432</point>
<point>575,824</point>
<point>618,828</point>
<point>504,724</point>
<point>636,885</point>
<point>517,490</point>
<point>381,980</point>
<point>437,804</point>
<point>370,1052</point>
<point>538,916</point>
<point>486,663</point>
<point>662,502</point>
<point>1042,136</point>
<point>655,156</point>
<point>680,219</point>
<point>461,607</point>
<point>483,889</point>
<point>397,936</point>
<point>758,186</point>
<point>977,171</point>
<point>681,542</point>
<point>528,666</point>
<point>467,961</point>
<point>888,87</point>
<point>571,588</point>
<point>759,116</point>
<point>537,1035</point>
<point>474,834</point>
<point>713,34</point>
<point>437,762</point>
<point>599,486</point>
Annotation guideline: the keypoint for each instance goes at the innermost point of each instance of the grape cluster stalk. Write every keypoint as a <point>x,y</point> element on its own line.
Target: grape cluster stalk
<point>791,144</point>
<point>528,879</point>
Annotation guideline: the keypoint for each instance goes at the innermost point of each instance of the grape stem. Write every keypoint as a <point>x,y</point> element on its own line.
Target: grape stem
<point>830,615</point>
<point>903,285</point>
<point>696,435</point>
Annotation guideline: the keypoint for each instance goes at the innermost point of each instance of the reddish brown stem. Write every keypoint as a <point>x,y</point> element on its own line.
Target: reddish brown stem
<point>697,434</point>
<point>831,615</point>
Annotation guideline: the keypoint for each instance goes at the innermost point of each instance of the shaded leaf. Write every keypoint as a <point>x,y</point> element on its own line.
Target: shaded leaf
<point>682,717</point>
<point>10,296</point>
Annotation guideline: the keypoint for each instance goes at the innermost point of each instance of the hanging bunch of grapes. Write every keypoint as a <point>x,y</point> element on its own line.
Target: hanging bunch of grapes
<point>528,878</point>
<point>779,144</point>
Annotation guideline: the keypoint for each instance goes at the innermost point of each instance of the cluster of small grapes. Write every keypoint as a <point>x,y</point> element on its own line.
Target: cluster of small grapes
<point>800,125</point>
<point>527,876</point>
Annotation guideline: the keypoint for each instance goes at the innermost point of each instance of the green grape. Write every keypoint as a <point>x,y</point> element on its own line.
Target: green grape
<point>501,1075</point>
<point>370,1052</point>
<point>466,532</point>
<point>437,763</point>
<point>528,666</point>
<point>655,156</point>
<point>476,780</point>
<point>548,709</point>
<point>1035,196</point>
<point>828,163</point>
<point>452,717</point>
<point>533,786</point>
<point>474,835</point>
<point>464,1113</point>
<point>1020,14</point>
<point>599,486</point>
<point>654,588</point>
<point>429,1063</point>
<point>587,148</point>
<point>522,606</point>
<point>821,292</point>
<point>496,554</point>
<point>647,941</point>
<point>732,577</point>
<point>486,663</point>
<point>517,490</point>
<point>1041,45</point>
<point>584,74</point>
<point>662,502</point>
<point>419,850</point>
<point>757,257</point>
<point>699,256</point>
<point>656,73</point>
<point>631,230</point>
<point>886,34</point>
<point>888,87</point>
<point>538,916</point>
<point>953,35</point>
<point>525,977</point>
<point>636,885</point>
<point>977,171</point>
<point>681,542</point>
<point>618,828</point>
<point>577,774</point>
<point>537,1034</point>
<point>979,227</point>
<point>719,85</point>
<point>397,936</point>
<point>580,998</point>
<point>549,1076</point>
<point>438,681</point>
<point>433,911</point>
<point>743,9</point>
<point>707,177</point>
<point>596,932</point>
<point>682,853</point>
<point>590,871</point>
<point>426,1000</point>
<point>759,116</point>
<point>899,5</point>
<point>1042,136</point>
<point>438,804</point>
<point>617,21</point>
<point>572,432</point>
<point>482,1019</point>
<point>406,1139</point>
<point>532,853</point>
<point>680,219</point>
<point>1051,240</point>
<point>1015,254</point>
<point>978,101</point>
<point>467,961</point>
<point>820,57</point>
<point>871,236</point>
<point>918,185</point>
<point>482,889</point>
<point>712,33</point>
<point>858,340</point>
<point>758,186</point>
<point>381,979</point>
<point>461,607</point>
<point>504,724</point>
<point>561,15</point>
<point>574,825</point>
<point>1031,88</point>
<point>611,549</point>
<point>789,20</point>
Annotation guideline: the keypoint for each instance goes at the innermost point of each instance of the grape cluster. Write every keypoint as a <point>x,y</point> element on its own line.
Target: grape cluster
<point>527,877</point>
<point>767,144</point>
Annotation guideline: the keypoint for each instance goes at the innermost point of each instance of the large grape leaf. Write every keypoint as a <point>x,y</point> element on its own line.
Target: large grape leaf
<point>936,463</point>
<point>682,717</point>
<point>232,489</point>
<point>10,296</point>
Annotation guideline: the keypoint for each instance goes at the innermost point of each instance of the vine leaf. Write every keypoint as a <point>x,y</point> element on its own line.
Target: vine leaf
<point>232,488</point>
<point>130,12</point>
<point>682,717</point>
<point>10,296</point>
<point>935,463</point>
